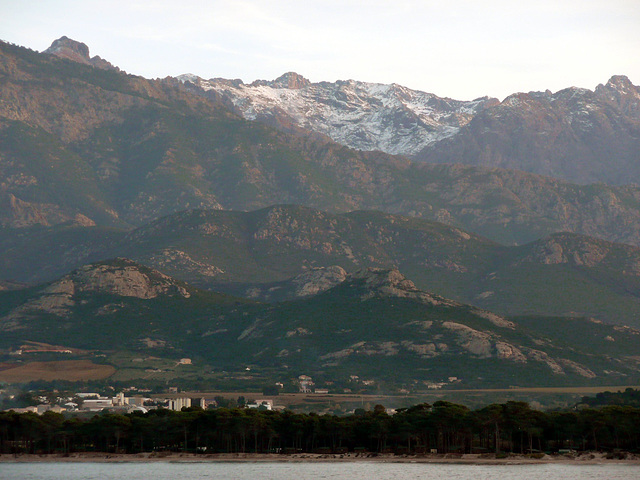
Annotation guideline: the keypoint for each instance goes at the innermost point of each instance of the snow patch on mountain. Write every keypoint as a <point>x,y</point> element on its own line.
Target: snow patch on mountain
<point>361,115</point>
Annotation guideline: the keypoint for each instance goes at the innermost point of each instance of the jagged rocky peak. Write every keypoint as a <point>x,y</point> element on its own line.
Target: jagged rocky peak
<point>620,83</point>
<point>196,80</point>
<point>624,95</point>
<point>290,80</point>
<point>188,77</point>
<point>524,100</point>
<point>617,85</point>
<point>360,115</point>
<point>71,49</point>
<point>65,47</point>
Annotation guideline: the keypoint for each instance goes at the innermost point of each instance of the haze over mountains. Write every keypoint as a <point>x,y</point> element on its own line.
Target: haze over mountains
<point>290,191</point>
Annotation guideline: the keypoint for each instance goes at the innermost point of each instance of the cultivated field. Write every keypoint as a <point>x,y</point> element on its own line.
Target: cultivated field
<point>72,370</point>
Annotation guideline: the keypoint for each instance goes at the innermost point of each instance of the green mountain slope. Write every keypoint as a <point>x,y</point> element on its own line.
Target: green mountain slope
<point>286,251</point>
<point>376,325</point>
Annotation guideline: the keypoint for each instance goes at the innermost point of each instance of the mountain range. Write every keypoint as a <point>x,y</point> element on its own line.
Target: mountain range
<point>94,146</point>
<point>312,202</point>
<point>575,134</point>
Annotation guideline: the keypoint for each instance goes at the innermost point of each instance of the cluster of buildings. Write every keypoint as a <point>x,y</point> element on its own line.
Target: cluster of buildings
<point>307,385</point>
<point>92,402</point>
<point>438,385</point>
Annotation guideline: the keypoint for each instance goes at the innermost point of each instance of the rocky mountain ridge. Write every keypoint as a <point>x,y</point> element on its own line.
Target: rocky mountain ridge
<point>575,134</point>
<point>364,116</point>
<point>98,164</point>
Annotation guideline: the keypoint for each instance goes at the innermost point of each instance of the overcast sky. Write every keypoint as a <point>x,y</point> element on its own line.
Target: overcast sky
<point>457,48</point>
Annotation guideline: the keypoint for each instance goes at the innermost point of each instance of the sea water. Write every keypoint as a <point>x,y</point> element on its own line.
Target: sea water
<point>311,470</point>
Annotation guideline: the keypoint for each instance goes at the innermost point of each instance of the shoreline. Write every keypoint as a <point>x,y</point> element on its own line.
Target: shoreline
<point>588,458</point>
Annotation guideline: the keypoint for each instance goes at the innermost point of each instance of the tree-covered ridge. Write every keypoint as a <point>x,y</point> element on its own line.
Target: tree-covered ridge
<point>283,252</point>
<point>512,427</point>
<point>375,325</point>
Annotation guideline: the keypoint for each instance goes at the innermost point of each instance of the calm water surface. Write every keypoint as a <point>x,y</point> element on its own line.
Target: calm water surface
<point>316,470</point>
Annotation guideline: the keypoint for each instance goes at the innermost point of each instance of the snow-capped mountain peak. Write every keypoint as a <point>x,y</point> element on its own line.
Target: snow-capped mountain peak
<point>361,115</point>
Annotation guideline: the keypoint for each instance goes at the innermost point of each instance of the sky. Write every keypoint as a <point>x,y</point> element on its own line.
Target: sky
<point>461,49</point>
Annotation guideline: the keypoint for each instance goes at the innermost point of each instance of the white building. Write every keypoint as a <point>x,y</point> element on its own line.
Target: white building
<point>178,403</point>
<point>264,404</point>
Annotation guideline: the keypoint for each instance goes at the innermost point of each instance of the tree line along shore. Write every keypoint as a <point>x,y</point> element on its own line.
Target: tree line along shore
<point>443,428</point>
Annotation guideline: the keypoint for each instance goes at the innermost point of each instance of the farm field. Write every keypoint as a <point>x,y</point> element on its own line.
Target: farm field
<point>71,370</point>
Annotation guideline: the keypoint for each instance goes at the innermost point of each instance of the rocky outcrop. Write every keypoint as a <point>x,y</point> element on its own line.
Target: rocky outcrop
<point>313,281</point>
<point>290,80</point>
<point>552,252</point>
<point>125,278</point>
<point>18,213</point>
<point>120,277</point>
<point>475,342</point>
<point>392,283</point>
<point>172,259</point>
<point>75,51</point>
<point>571,249</point>
<point>317,280</point>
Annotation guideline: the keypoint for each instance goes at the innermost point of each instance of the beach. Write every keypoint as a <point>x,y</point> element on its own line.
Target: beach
<point>480,459</point>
